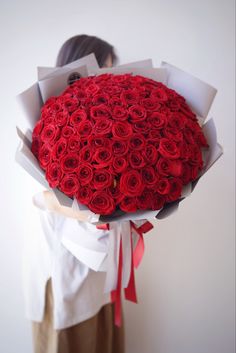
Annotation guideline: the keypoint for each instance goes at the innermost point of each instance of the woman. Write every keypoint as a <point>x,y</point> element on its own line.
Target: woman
<point>76,315</point>
<point>82,45</point>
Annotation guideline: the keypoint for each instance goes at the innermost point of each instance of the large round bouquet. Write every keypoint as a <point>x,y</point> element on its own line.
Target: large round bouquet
<point>119,142</point>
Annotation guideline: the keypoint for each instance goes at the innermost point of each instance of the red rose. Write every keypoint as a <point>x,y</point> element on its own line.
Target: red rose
<point>150,104</point>
<point>186,174</point>
<point>122,130</point>
<point>71,89</point>
<point>84,194</point>
<point>112,90</point>
<point>78,116</point>
<point>100,100</point>
<point>186,110</point>
<point>85,154</point>
<point>62,118</point>
<point>150,154</point>
<point>174,105</point>
<point>194,172</point>
<point>35,146</point>
<point>102,179</point>
<point>168,149</point>
<point>157,201</point>
<point>119,147</point>
<point>59,148</point>
<point>136,160</point>
<point>114,192</point>
<point>49,120</point>
<point>137,113</point>
<point>99,141</point>
<point>92,89</point>
<point>67,131</point>
<point>201,140</point>
<point>69,103</point>
<point>185,152</point>
<point>176,168</point>
<point>50,101</point>
<point>102,127</point>
<point>141,127</point>
<point>52,109</point>
<point>149,177</point>
<point>100,111</point>
<point>155,142</point>
<point>163,166</point>
<point>149,84</point>
<point>172,133</point>
<point>103,157</point>
<point>195,155</point>
<point>131,183</point>
<point>84,128</point>
<point>143,93</point>
<point>85,173</point>
<point>129,97</point>
<point>157,120</point>
<point>74,143</point>
<point>155,135</point>
<point>163,186</point>
<point>128,204</point>
<point>101,203</point>
<point>37,129</point>
<point>189,136</point>
<point>119,112</point>
<point>177,120</point>
<point>159,94</point>
<point>44,155</point>
<point>101,78</point>
<point>70,162</point>
<point>175,189</point>
<point>167,167</point>
<point>115,102</point>
<point>69,184</point>
<point>81,95</point>
<point>144,201</point>
<point>137,142</point>
<point>53,174</point>
<point>49,134</point>
<point>121,79</point>
<point>119,164</point>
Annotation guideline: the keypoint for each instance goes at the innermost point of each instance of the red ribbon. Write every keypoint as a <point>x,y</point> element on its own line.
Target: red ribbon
<point>139,249</point>
<point>104,226</point>
<point>136,257</point>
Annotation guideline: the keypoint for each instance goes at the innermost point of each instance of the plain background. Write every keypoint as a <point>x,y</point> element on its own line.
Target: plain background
<point>186,280</point>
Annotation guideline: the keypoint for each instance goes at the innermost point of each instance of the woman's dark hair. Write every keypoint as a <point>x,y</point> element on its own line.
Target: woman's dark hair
<point>82,45</point>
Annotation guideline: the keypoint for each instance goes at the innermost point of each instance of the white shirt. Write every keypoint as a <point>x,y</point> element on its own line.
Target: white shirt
<point>78,291</point>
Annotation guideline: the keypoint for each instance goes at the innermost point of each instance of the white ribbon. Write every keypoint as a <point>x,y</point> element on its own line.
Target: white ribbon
<point>126,250</point>
<point>118,231</point>
<point>113,256</point>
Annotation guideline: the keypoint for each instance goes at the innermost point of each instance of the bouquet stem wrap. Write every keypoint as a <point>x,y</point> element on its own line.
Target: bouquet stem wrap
<point>122,261</point>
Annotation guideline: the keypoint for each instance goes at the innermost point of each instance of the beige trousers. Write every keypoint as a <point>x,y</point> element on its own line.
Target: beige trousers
<point>95,335</point>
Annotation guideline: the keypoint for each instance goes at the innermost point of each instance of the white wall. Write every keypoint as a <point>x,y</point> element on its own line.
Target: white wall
<point>185,283</point>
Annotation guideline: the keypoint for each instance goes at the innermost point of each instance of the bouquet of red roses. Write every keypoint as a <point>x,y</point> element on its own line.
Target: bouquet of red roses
<point>118,144</point>
<point>121,140</point>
